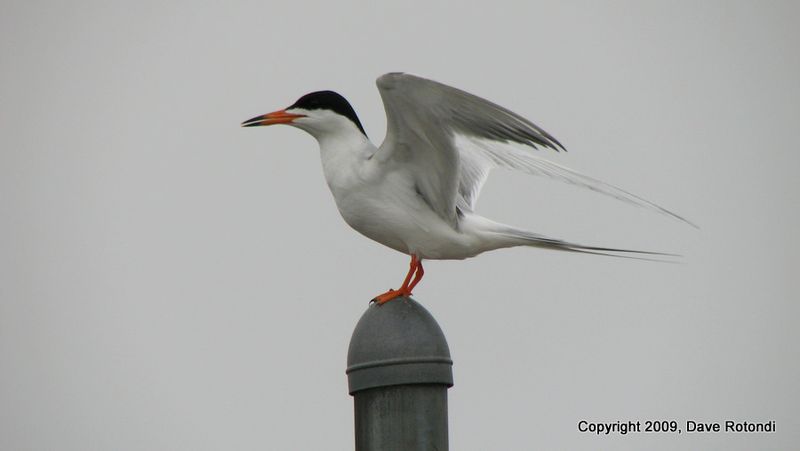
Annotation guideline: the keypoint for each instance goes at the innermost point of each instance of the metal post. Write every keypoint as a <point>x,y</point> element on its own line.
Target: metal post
<point>398,371</point>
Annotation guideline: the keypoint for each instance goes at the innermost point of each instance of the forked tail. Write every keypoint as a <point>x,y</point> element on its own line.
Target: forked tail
<point>526,238</point>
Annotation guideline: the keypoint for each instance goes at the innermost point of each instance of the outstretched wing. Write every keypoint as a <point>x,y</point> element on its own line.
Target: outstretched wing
<point>451,139</point>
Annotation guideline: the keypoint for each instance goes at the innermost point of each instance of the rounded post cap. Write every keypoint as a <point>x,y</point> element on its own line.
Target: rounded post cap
<point>397,343</point>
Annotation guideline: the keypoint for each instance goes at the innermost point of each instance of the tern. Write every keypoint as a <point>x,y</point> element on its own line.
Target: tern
<point>416,193</point>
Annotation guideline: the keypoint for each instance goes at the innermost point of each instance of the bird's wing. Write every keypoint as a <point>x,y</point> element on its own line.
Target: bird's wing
<point>452,139</point>
<point>423,120</point>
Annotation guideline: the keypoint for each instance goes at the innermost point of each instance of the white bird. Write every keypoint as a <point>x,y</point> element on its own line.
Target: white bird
<point>416,192</point>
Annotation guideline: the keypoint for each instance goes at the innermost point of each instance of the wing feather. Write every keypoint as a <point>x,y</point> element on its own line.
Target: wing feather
<point>423,117</point>
<point>483,155</point>
<point>451,139</point>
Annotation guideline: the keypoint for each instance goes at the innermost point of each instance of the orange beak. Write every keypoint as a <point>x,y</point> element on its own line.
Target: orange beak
<point>277,117</point>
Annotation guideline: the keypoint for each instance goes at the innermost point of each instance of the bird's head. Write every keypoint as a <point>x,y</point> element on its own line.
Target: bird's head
<point>319,113</point>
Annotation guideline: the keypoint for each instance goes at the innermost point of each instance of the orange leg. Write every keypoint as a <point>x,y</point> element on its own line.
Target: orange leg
<point>415,273</point>
<point>417,276</point>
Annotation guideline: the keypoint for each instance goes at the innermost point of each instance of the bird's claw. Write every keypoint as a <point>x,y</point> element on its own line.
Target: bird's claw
<point>389,295</point>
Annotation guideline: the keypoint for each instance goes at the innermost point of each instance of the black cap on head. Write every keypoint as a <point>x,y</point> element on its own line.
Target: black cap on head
<point>328,100</point>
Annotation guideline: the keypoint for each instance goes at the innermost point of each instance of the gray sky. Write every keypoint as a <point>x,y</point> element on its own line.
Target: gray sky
<point>170,281</point>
